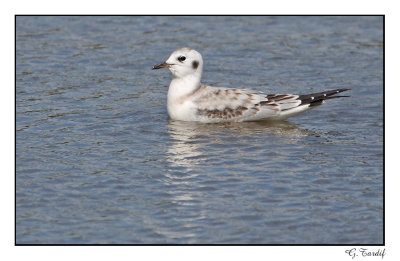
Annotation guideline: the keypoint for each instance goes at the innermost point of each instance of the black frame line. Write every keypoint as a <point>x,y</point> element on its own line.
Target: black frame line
<point>15,133</point>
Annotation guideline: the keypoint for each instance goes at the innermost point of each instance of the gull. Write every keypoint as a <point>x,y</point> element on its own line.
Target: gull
<point>190,100</point>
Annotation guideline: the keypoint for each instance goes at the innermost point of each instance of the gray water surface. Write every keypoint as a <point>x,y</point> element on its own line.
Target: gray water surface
<point>99,162</point>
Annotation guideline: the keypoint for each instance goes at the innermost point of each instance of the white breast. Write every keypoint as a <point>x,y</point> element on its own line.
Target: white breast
<point>183,111</point>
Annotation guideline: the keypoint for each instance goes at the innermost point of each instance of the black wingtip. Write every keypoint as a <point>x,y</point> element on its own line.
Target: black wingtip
<point>316,99</point>
<point>343,90</point>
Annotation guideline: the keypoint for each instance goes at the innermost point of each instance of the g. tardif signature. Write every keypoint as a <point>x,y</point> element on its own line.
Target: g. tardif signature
<point>364,252</point>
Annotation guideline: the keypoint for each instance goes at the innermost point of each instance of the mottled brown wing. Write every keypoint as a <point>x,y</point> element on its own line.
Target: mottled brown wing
<point>233,104</point>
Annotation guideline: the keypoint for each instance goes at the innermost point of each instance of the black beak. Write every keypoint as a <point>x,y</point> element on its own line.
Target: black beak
<point>161,65</point>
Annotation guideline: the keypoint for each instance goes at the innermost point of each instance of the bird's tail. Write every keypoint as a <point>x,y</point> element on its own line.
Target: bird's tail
<point>310,101</point>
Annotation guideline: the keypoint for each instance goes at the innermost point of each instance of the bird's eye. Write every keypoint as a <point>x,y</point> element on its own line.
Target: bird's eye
<point>181,58</point>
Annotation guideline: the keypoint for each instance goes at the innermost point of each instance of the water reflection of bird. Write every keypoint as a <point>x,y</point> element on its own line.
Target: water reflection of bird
<point>190,144</point>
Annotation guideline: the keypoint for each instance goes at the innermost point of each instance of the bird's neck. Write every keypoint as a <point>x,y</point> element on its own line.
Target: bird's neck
<point>183,86</point>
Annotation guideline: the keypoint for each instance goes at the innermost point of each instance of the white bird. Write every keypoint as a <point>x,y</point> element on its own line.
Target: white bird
<point>189,100</point>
